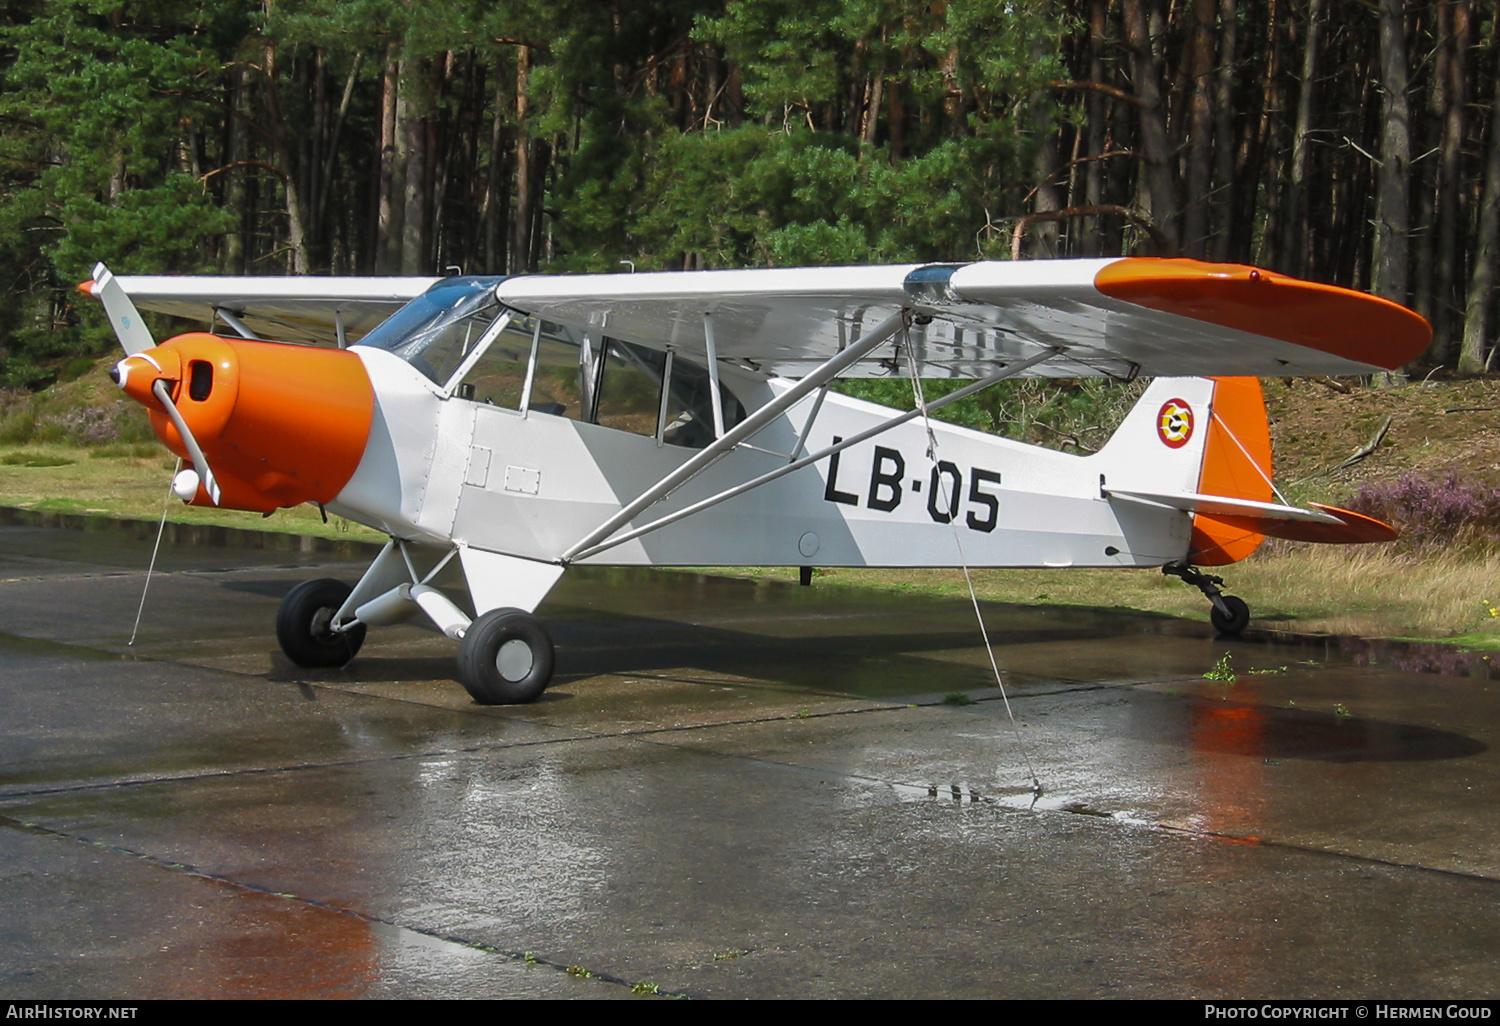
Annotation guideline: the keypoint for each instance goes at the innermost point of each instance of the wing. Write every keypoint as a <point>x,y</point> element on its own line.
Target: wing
<point>1114,317</point>
<point>304,309</point>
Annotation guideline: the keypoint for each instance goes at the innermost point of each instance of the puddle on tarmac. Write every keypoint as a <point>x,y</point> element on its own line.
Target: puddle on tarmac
<point>1273,733</point>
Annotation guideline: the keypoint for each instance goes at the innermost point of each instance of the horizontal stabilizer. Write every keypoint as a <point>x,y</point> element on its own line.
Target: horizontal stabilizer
<point>1352,528</point>
<point>1211,505</point>
<point>1321,523</point>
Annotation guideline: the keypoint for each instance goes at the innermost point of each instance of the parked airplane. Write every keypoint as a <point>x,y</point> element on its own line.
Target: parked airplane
<point>528,424</point>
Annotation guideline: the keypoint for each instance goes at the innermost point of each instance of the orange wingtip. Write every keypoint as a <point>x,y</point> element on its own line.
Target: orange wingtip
<point>87,287</point>
<point>1353,325</point>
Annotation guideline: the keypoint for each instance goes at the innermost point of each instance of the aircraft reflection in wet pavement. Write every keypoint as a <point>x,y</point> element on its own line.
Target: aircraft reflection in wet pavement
<point>528,424</point>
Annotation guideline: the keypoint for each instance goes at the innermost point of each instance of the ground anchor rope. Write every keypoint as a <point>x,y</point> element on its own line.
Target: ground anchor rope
<point>942,482</point>
<point>154,550</point>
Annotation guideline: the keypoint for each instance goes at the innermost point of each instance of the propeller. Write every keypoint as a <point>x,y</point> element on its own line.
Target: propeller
<point>130,329</point>
<point>185,484</point>
<point>135,338</point>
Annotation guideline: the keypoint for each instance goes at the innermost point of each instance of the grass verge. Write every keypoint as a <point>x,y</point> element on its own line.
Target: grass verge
<point>132,481</point>
<point>1368,591</point>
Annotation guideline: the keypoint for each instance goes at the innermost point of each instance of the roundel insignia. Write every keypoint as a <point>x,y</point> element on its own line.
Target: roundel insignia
<point>1175,423</point>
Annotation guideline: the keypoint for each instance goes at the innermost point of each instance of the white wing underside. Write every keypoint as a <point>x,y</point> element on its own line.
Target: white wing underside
<point>305,309</point>
<point>969,319</point>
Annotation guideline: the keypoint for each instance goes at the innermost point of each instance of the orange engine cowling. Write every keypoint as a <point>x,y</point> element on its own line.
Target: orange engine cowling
<point>278,424</point>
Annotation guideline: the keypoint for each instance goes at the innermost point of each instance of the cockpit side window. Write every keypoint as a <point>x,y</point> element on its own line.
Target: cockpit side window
<point>576,374</point>
<point>498,376</point>
<point>690,416</point>
<point>630,389</point>
<point>435,331</point>
<point>556,386</point>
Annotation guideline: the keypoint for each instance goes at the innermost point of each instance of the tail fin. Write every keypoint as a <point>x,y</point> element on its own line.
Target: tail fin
<point>1236,465</point>
<point>1198,437</point>
<point>1203,445</point>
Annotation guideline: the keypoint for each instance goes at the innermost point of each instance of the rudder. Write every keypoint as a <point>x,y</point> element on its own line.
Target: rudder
<point>1236,465</point>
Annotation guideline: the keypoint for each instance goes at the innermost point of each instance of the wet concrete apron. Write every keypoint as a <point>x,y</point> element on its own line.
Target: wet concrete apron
<point>732,789</point>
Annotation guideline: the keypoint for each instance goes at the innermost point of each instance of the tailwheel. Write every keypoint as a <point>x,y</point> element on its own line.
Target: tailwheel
<point>1228,614</point>
<point>304,625</point>
<point>505,658</point>
<point>1233,619</point>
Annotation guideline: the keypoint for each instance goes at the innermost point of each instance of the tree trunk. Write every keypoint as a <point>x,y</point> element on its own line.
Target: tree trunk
<point>1294,216</point>
<point>492,211</point>
<point>331,150</point>
<point>414,156</point>
<point>1043,242</point>
<point>1160,198</point>
<point>520,247</point>
<point>1447,266</point>
<point>1389,262</point>
<point>1224,176</point>
<point>1200,126</point>
<point>235,192</point>
<point>1471,357</point>
<point>285,167</point>
<point>1094,106</point>
<point>1260,143</point>
<point>387,230</point>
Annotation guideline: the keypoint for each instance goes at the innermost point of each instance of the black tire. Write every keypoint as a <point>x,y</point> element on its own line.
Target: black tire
<point>302,625</point>
<point>1237,620</point>
<point>505,658</point>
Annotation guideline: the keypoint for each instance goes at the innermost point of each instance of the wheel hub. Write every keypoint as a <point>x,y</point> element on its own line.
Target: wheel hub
<point>514,660</point>
<point>322,625</point>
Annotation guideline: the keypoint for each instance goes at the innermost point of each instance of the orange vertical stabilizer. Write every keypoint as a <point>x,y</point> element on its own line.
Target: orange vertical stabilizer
<point>1236,465</point>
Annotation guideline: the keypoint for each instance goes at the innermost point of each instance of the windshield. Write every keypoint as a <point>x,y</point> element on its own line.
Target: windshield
<point>435,331</point>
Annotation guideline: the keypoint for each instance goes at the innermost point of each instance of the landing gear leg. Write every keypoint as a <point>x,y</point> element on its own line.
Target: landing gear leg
<point>1229,614</point>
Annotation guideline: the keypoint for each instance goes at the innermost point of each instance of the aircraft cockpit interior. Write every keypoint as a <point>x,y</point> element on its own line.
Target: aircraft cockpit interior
<point>464,340</point>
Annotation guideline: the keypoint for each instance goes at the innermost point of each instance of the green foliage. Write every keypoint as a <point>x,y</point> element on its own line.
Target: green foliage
<point>1076,415</point>
<point>1222,671</point>
<point>116,123</point>
<point>34,459</point>
<point>758,196</point>
<point>797,52</point>
<point>98,102</point>
<point>49,417</point>
<point>785,187</point>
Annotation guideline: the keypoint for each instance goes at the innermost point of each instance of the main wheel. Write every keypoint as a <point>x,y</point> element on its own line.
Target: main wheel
<point>304,622</point>
<point>505,658</point>
<point>1237,620</point>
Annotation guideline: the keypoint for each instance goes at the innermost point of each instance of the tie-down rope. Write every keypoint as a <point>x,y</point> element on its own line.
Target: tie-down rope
<point>947,498</point>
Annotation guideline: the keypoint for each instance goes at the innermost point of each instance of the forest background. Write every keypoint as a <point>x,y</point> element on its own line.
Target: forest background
<point>1354,142</point>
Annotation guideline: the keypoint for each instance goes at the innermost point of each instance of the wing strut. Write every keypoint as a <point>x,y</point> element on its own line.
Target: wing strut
<point>715,399</point>
<point>863,436</point>
<point>239,327</point>
<point>824,373</point>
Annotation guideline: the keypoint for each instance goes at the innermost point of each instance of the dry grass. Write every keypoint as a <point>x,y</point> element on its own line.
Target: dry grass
<point>1375,590</point>
<point>1369,591</point>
